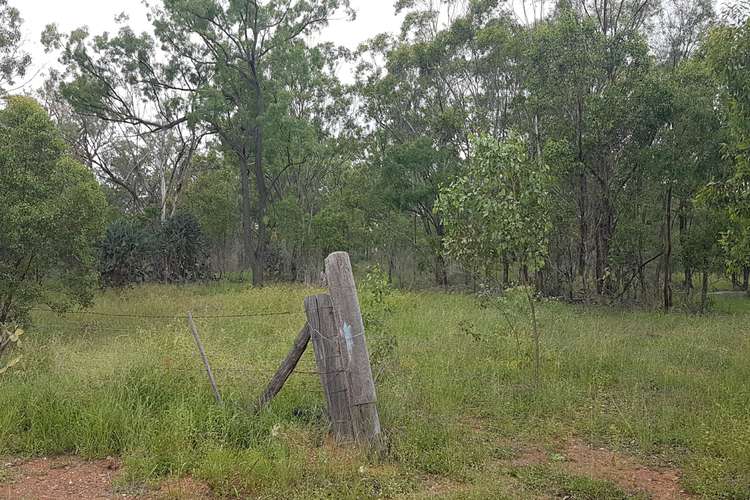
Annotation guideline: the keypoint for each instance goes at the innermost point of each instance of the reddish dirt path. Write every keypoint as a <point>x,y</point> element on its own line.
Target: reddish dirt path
<point>578,458</point>
<point>63,478</point>
<point>625,471</point>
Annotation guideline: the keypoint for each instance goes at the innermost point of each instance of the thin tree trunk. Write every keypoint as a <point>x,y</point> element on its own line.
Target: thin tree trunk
<point>261,246</point>
<point>441,271</point>
<point>582,201</point>
<point>246,210</point>
<point>668,252</point>
<point>683,223</point>
<point>704,292</point>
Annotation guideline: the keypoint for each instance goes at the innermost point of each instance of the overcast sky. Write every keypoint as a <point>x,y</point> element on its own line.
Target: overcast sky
<point>373,17</point>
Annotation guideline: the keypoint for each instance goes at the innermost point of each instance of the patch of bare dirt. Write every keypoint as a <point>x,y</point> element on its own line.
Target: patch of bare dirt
<point>578,458</point>
<point>439,487</point>
<point>63,478</point>
<point>623,470</point>
<point>185,487</point>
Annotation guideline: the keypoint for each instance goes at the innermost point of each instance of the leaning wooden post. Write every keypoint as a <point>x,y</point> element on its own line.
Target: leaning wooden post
<point>327,347</point>
<point>202,353</point>
<point>351,329</point>
<point>285,370</point>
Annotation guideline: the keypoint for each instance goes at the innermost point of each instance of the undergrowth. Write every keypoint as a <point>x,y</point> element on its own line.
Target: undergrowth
<point>454,384</point>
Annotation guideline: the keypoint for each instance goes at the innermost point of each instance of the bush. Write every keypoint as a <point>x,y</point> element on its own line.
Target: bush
<point>182,244</point>
<point>51,215</point>
<point>134,252</point>
<point>125,254</point>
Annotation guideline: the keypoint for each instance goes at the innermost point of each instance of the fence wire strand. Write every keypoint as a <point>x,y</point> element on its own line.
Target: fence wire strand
<point>172,317</point>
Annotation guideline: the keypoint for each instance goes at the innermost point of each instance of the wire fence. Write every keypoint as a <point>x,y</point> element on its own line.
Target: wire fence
<point>231,357</point>
<point>172,317</point>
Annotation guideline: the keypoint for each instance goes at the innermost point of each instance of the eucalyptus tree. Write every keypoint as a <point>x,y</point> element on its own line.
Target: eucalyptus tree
<point>498,206</point>
<point>142,171</point>
<point>219,66</point>
<point>617,18</point>
<point>14,61</point>
<point>448,74</point>
<point>728,56</point>
<point>680,26</point>
<point>592,88</point>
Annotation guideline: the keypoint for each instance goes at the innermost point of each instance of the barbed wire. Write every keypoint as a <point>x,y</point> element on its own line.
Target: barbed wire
<point>175,316</point>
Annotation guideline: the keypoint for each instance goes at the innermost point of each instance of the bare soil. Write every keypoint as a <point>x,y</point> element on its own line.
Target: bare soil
<point>659,483</point>
<point>62,478</point>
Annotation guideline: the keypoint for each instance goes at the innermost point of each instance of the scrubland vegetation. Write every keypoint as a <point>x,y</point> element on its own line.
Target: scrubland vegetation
<point>456,395</point>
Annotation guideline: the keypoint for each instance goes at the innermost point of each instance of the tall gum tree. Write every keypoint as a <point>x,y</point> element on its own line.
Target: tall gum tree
<point>211,63</point>
<point>13,60</point>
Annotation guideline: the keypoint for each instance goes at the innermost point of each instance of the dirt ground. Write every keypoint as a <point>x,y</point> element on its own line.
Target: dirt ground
<point>625,471</point>
<point>63,478</point>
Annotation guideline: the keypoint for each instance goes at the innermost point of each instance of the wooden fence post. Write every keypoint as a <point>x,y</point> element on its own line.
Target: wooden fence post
<point>285,370</point>
<point>204,358</point>
<point>351,329</point>
<point>331,367</point>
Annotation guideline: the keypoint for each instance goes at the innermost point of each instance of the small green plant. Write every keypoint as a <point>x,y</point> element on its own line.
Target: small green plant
<point>500,208</point>
<point>374,294</point>
<point>9,336</point>
<point>374,291</point>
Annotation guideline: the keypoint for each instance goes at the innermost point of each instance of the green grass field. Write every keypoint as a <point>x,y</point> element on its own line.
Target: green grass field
<point>456,395</point>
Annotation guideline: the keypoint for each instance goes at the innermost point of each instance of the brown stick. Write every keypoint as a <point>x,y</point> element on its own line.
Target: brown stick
<point>328,358</point>
<point>285,370</point>
<point>202,352</point>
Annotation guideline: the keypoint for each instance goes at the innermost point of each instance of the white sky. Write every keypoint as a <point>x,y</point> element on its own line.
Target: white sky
<point>373,17</point>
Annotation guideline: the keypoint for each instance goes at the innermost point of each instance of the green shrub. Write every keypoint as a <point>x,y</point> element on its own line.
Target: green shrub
<point>134,252</point>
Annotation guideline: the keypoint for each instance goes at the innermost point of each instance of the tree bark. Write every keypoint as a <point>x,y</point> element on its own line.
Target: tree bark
<point>506,272</point>
<point>246,211</point>
<point>668,251</point>
<point>704,292</point>
<point>441,271</point>
<point>261,246</point>
<point>683,223</point>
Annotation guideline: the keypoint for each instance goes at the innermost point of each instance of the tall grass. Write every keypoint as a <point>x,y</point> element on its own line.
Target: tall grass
<point>456,394</point>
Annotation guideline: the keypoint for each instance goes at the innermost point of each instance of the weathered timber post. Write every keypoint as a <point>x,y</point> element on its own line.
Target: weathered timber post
<point>351,330</point>
<point>285,370</point>
<point>328,358</point>
<point>204,358</point>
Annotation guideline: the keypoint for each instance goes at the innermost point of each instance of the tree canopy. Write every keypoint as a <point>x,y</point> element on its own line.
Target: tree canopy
<point>52,215</point>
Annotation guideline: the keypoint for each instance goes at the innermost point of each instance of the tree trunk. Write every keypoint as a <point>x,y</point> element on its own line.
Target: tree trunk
<point>246,210</point>
<point>683,222</point>
<point>163,193</point>
<point>746,279</point>
<point>441,271</point>
<point>584,232</point>
<point>261,246</point>
<point>704,292</point>
<point>582,199</point>
<point>668,251</point>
